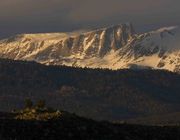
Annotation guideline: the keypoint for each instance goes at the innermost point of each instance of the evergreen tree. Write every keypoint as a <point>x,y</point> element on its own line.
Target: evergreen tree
<point>28,103</point>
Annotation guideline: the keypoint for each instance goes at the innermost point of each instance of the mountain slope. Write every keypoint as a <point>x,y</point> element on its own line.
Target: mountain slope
<point>157,49</point>
<point>98,94</point>
<point>115,47</point>
<point>66,48</point>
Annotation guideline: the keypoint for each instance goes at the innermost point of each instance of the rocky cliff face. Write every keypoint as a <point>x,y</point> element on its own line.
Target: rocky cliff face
<point>114,47</point>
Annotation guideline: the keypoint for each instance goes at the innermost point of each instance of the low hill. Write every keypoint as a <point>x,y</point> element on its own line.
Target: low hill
<point>69,126</point>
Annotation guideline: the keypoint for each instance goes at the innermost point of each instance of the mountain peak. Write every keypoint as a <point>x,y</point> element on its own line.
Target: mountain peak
<point>114,47</point>
<point>127,27</point>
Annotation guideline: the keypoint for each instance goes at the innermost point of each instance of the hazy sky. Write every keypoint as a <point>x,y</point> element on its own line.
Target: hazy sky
<point>30,16</point>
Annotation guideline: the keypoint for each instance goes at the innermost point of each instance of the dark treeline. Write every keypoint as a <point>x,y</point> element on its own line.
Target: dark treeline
<point>70,127</point>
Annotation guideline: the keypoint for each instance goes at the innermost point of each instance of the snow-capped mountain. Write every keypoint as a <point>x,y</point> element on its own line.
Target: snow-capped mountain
<point>114,47</point>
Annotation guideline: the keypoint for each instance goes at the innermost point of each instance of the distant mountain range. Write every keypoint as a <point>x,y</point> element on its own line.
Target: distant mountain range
<point>114,47</point>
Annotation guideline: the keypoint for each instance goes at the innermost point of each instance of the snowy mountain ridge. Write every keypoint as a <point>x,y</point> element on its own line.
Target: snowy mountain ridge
<point>114,47</point>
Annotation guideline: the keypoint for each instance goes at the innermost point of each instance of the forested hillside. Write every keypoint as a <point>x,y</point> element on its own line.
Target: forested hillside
<point>93,93</point>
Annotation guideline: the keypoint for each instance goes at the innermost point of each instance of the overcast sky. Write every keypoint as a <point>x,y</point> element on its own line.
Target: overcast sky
<point>31,16</point>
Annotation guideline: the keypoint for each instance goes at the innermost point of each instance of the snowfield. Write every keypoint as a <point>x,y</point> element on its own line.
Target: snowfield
<point>114,47</point>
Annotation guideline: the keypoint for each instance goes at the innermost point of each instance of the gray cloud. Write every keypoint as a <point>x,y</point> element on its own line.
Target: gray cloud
<point>21,16</point>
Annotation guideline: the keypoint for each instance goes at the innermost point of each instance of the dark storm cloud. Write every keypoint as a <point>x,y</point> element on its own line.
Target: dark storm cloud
<point>18,16</point>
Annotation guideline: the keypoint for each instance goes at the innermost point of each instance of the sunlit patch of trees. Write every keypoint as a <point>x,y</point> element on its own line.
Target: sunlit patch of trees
<point>37,111</point>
